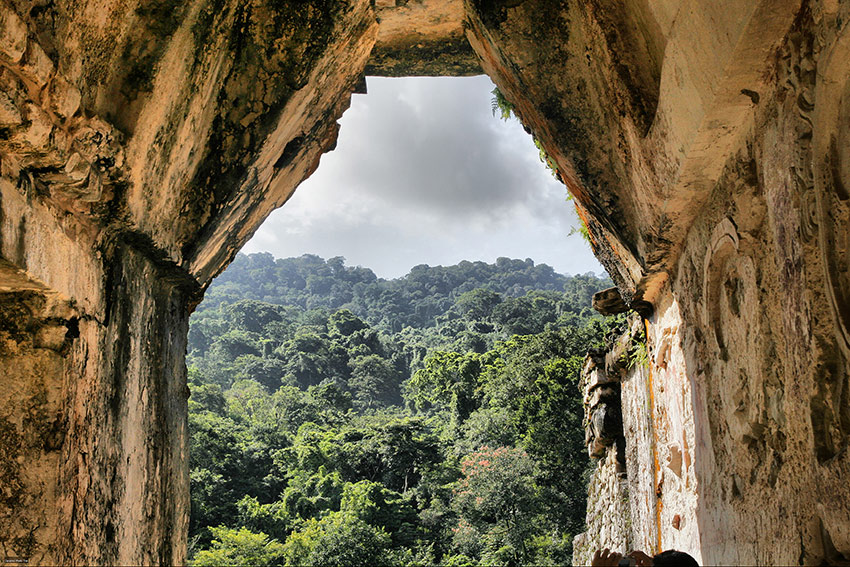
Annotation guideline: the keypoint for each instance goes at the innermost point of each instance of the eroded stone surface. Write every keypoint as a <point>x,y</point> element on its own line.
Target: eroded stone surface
<point>721,202</point>
<point>33,342</point>
<point>422,38</point>
<point>142,143</point>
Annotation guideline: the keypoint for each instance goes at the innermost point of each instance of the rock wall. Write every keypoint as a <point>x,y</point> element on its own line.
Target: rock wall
<point>142,143</point>
<point>752,332</point>
<point>713,183</point>
<point>421,38</point>
<point>607,378</point>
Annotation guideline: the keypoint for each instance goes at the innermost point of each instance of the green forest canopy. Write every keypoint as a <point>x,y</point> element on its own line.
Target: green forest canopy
<point>339,418</point>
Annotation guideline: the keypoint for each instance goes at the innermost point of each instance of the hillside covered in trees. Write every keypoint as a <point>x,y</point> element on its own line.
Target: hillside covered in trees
<point>338,418</point>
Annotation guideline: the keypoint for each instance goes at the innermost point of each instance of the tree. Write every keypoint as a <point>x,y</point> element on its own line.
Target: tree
<point>487,426</point>
<point>343,322</point>
<point>235,343</point>
<point>498,499</point>
<point>269,372</point>
<point>252,315</point>
<point>312,493</point>
<point>265,518</point>
<point>298,435</point>
<point>340,539</point>
<point>374,380</point>
<point>226,464</point>
<point>311,357</point>
<point>240,547</point>
<point>478,304</point>
<point>381,508</point>
<point>549,418</point>
<point>449,380</point>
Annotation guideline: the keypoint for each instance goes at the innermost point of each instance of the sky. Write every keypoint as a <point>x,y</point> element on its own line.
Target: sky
<point>423,173</point>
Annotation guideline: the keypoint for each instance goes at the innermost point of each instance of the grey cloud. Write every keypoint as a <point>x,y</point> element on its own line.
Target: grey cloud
<point>435,148</point>
<point>423,173</point>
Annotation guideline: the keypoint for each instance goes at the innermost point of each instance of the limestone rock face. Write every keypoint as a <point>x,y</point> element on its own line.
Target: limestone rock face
<point>697,138</point>
<point>142,143</point>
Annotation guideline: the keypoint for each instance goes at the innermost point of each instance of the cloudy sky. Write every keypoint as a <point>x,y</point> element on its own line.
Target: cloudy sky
<point>423,173</point>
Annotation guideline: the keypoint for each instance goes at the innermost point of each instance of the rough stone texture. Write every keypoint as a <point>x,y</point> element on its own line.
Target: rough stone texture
<point>421,38</point>
<point>608,517</point>
<point>608,520</point>
<point>619,516</point>
<point>600,386</point>
<point>34,336</point>
<point>141,143</point>
<point>714,188</point>
<point>609,302</point>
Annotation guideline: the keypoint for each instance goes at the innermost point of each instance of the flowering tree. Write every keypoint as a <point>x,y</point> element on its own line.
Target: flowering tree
<point>498,499</point>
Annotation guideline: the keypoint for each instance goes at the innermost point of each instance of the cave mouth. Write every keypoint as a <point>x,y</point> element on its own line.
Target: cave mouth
<point>425,171</point>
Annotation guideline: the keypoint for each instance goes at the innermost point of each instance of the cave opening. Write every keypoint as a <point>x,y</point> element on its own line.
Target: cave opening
<point>425,173</point>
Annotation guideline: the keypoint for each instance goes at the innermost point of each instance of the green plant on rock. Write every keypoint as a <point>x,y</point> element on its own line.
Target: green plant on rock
<point>506,111</point>
<point>501,105</point>
<point>582,230</point>
<point>638,354</point>
<point>582,227</point>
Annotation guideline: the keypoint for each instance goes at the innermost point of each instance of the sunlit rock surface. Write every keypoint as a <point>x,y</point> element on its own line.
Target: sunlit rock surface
<point>142,143</point>
<point>421,38</point>
<point>704,143</point>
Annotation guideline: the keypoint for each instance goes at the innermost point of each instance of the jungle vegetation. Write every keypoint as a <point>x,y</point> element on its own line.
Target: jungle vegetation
<point>338,418</point>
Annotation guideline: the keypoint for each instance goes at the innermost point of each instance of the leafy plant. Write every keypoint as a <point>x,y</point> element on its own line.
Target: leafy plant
<point>639,357</point>
<point>239,547</point>
<point>638,353</point>
<point>582,230</point>
<point>501,105</point>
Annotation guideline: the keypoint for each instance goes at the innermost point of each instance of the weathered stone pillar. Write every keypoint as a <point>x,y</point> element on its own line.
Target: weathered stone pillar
<point>616,431</point>
<point>36,329</point>
<point>125,463</point>
<point>141,144</point>
<point>93,418</point>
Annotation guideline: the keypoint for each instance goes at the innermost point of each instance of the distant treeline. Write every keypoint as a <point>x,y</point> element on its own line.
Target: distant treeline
<point>415,300</point>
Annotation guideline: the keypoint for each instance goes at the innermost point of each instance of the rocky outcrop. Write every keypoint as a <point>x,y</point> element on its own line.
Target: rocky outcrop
<point>619,438</point>
<point>142,143</point>
<point>621,510</point>
<point>421,38</point>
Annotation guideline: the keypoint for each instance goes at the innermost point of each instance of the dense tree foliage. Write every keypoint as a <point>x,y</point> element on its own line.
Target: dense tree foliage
<point>337,418</point>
